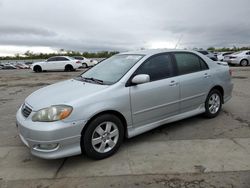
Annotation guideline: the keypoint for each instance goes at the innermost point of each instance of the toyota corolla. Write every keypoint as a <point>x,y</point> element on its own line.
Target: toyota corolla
<point>123,96</point>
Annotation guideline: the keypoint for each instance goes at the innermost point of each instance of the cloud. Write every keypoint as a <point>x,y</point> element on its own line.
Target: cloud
<point>125,24</point>
<point>12,30</point>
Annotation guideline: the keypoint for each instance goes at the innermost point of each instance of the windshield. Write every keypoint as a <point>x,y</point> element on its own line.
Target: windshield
<point>110,70</point>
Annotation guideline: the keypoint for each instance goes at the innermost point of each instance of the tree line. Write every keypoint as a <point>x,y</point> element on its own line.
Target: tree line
<point>103,54</point>
<point>31,55</point>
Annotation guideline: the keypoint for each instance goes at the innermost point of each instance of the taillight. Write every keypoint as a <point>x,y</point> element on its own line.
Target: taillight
<point>230,72</point>
<point>78,62</point>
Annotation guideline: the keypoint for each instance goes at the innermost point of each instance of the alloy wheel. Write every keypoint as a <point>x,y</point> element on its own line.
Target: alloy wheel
<point>105,137</point>
<point>244,62</point>
<point>214,103</point>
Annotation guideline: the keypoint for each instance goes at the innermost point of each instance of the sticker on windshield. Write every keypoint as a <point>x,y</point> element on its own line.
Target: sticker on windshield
<point>134,57</point>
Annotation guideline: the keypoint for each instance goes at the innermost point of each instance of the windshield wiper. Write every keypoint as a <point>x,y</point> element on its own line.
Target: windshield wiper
<point>93,80</point>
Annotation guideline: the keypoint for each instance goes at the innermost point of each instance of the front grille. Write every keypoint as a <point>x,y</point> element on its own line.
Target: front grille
<point>26,110</point>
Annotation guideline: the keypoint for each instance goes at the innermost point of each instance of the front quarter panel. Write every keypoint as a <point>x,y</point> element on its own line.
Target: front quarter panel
<point>115,98</point>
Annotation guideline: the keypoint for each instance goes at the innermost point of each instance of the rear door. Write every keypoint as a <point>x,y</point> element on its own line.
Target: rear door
<point>194,78</point>
<point>159,98</point>
<point>61,63</point>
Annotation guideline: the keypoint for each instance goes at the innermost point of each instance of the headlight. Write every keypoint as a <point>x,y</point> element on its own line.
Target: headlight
<point>53,113</point>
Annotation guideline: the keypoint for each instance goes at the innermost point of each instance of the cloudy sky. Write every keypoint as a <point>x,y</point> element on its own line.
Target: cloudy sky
<point>94,25</point>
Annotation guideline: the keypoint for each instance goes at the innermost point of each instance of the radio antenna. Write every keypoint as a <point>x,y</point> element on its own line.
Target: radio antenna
<point>178,41</point>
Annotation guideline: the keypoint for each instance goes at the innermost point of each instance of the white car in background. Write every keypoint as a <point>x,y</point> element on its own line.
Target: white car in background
<point>241,58</point>
<point>65,63</point>
<point>86,62</point>
<point>209,54</point>
<point>221,55</point>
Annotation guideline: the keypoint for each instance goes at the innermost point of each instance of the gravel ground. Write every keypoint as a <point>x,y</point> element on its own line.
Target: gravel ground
<point>195,152</point>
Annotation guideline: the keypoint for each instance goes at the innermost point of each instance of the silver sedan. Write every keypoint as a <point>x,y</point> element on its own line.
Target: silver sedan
<point>123,96</point>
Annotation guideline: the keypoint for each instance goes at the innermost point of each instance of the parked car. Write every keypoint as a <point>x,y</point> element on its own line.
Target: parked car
<point>241,58</point>
<point>21,66</point>
<point>221,55</point>
<point>8,66</point>
<point>139,91</point>
<point>56,63</point>
<point>86,62</point>
<point>209,54</point>
<point>28,63</point>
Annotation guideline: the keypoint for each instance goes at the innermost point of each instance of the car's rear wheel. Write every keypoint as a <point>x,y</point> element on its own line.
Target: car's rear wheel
<point>102,137</point>
<point>244,62</point>
<point>68,68</point>
<point>37,68</point>
<point>213,103</point>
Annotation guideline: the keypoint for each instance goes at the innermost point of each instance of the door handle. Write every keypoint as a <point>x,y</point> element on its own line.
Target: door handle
<point>173,83</point>
<point>206,75</point>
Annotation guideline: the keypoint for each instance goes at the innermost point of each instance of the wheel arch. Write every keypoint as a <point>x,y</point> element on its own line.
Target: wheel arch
<point>220,89</point>
<point>113,112</point>
<point>37,65</point>
<point>244,59</point>
<point>68,65</point>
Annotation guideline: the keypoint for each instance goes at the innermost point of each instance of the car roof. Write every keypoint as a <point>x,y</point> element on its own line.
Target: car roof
<point>154,51</point>
<point>60,56</point>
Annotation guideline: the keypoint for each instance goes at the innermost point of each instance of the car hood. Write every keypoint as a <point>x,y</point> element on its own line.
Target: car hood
<point>65,92</point>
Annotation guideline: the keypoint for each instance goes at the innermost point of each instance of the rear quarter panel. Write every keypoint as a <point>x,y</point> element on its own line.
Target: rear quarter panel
<point>222,77</point>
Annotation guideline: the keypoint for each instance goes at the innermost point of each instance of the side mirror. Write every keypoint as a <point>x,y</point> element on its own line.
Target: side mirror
<point>141,79</point>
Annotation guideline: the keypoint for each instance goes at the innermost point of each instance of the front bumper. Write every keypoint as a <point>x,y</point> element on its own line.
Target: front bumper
<point>64,136</point>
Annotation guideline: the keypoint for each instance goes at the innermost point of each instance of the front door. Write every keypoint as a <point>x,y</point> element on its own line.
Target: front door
<point>50,63</point>
<point>159,98</point>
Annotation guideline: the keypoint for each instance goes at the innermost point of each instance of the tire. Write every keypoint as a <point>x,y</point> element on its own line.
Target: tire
<point>68,68</point>
<point>213,104</point>
<point>84,65</point>
<point>243,62</point>
<point>102,137</point>
<point>37,68</point>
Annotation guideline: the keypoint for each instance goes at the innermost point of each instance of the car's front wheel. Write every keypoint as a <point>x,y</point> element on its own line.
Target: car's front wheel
<point>213,103</point>
<point>103,136</point>
<point>37,68</point>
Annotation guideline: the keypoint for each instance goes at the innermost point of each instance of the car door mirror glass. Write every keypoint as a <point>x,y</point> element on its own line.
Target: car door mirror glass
<point>141,79</point>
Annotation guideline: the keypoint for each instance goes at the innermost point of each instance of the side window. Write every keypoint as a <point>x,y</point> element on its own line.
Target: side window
<point>157,67</point>
<point>188,63</point>
<point>52,59</point>
<point>65,59</point>
<point>203,64</point>
<point>62,59</point>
